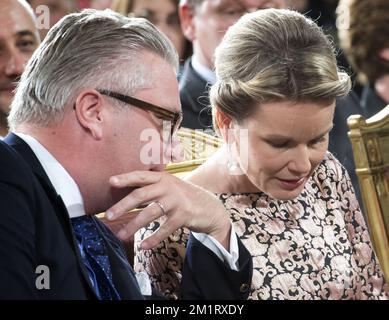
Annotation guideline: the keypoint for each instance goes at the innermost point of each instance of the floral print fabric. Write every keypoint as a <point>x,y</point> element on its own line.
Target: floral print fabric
<point>316,246</point>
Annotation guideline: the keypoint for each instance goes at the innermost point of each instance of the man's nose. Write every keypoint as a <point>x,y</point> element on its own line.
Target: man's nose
<point>15,64</point>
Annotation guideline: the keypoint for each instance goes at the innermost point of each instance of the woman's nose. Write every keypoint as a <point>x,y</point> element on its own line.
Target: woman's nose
<point>300,163</point>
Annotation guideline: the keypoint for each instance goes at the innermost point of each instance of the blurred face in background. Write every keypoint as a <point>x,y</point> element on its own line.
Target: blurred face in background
<point>299,5</point>
<point>100,4</point>
<point>206,24</point>
<point>57,10</point>
<point>18,40</point>
<point>163,14</point>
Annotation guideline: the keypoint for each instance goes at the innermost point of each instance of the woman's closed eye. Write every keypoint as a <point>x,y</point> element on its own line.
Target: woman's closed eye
<point>288,143</point>
<point>279,144</point>
<point>318,141</point>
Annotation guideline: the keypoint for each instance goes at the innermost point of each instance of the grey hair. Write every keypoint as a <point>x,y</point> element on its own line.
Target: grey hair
<point>91,49</point>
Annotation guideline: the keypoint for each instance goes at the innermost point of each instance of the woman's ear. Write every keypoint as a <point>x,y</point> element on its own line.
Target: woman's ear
<point>89,112</point>
<point>224,123</point>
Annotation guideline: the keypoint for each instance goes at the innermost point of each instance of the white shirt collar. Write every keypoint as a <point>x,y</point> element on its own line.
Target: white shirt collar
<point>207,74</point>
<point>63,183</point>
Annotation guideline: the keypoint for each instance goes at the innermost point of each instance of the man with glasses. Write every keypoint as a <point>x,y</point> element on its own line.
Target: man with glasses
<point>95,95</point>
<point>173,117</point>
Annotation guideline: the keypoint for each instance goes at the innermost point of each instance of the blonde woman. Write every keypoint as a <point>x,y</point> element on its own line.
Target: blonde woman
<point>291,202</point>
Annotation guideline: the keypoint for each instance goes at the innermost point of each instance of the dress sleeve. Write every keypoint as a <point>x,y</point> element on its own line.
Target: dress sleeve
<point>164,263</point>
<point>372,282</point>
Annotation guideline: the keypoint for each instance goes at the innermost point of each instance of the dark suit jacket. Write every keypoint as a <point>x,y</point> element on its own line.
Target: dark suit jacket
<point>35,229</point>
<point>371,103</point>
<point>194,99</point>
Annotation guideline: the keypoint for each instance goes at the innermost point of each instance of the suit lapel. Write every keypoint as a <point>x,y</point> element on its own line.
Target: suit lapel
<point>29,156</point>
<point>59,206</point>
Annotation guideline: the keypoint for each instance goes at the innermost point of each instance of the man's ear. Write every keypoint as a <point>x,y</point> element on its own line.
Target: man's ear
<point>186,13</point>
<point>89,112</point>
<point>224,123</point>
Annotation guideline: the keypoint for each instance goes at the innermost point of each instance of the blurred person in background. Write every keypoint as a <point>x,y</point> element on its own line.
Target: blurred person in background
<point>364,37</point>
<point>204,23</point>
<point>57,10</point>
<point>365,41</point>
<point>298,5</point>
<point>163,14</point>
<point>100,4</point>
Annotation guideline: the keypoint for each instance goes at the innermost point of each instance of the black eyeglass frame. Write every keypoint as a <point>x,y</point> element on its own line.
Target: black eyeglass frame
<point>173,116</point>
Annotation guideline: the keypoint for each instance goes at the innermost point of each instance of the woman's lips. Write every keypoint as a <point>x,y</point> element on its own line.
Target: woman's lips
<point>291,184</point>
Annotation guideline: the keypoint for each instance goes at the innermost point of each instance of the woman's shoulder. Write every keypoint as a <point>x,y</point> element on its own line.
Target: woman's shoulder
<point>332,179</point>
<point>330,168</point>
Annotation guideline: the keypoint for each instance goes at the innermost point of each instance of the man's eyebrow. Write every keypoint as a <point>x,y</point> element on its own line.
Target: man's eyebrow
<point>23,33</point>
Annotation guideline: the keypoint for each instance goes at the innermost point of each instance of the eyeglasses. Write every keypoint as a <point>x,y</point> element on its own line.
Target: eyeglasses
<point>173,117</point>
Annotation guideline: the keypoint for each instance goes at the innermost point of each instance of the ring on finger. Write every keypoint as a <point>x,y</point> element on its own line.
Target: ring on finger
<point>159,204</point>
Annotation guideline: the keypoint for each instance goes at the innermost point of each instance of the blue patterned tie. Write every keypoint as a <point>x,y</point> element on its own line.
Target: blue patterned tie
<point>96,255</point>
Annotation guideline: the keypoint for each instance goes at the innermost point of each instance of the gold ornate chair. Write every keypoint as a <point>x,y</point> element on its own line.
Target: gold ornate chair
<point>370,143</point>
<point>197,146</point>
